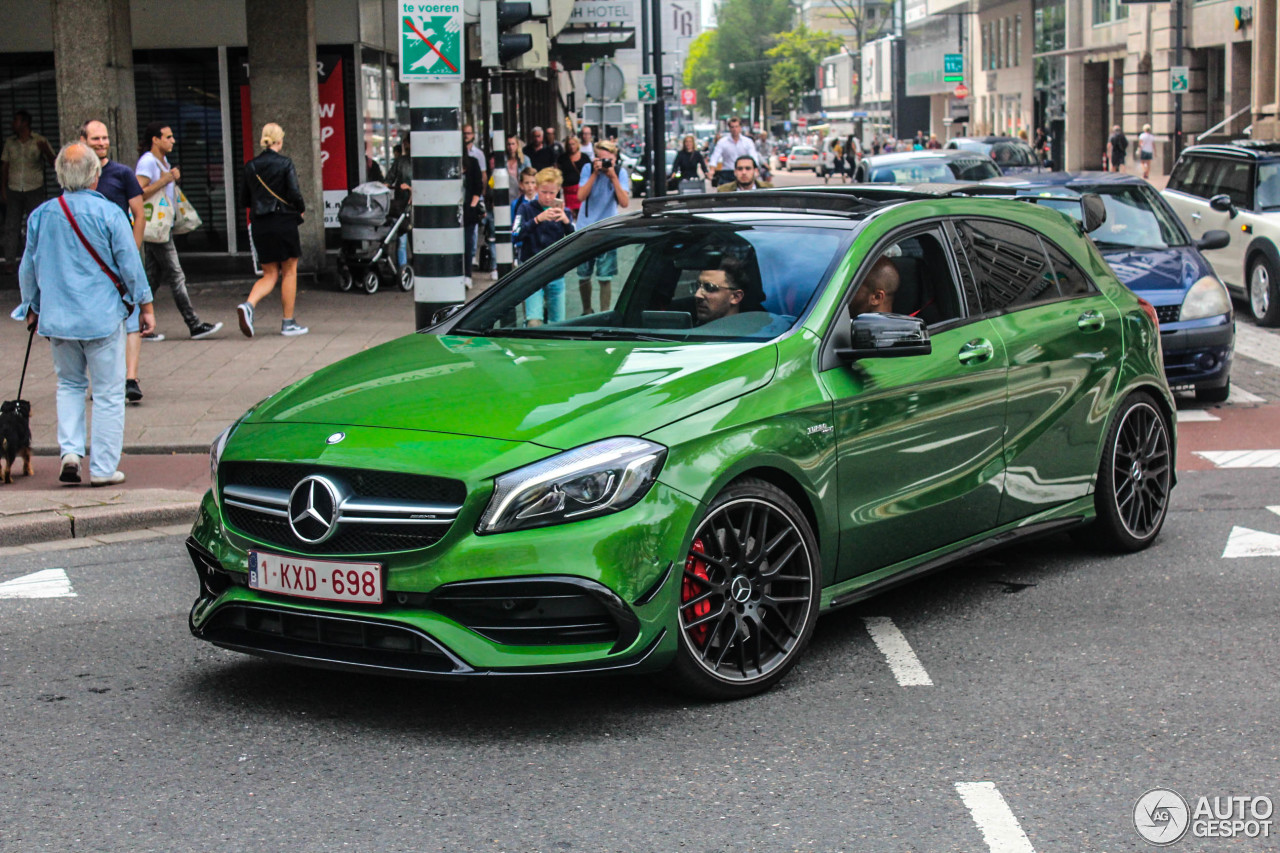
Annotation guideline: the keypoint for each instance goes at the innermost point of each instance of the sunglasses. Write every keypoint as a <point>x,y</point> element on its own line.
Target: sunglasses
<point>707,287</point>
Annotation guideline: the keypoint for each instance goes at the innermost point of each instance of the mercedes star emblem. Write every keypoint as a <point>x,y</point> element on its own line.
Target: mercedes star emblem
<point>313,509</point>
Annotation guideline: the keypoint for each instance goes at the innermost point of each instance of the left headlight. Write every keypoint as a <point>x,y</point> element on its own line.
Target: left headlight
<point>595,479</point>
<point>215,456</point>
<point>1206,298</point>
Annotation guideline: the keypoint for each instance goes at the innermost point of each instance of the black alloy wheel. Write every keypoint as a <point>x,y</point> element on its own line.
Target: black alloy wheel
<point>749,595</point>
<point>1136,475</point>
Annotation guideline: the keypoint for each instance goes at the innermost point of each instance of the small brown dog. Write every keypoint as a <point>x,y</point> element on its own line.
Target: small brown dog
<point>15,437</point>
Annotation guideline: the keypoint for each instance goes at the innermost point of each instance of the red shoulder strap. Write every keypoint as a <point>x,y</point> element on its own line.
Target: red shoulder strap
<point>75,226</point>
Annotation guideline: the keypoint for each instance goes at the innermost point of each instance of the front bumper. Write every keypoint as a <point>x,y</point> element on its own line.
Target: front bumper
<point>1199,355</point>
<point>588,596</point>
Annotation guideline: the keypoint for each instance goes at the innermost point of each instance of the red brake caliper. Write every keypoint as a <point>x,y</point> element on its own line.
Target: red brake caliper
<point>690,590</point>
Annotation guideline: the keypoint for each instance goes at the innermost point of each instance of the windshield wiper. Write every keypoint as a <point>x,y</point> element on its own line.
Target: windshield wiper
<point>620,335</point>
<point>505,333</point>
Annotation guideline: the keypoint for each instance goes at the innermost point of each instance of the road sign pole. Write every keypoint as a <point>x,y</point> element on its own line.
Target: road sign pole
<point>501,179</point>
<point>1177,60</point>
<point>657,172</point>
<point>439,246</point>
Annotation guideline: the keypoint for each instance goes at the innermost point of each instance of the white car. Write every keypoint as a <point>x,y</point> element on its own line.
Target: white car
<point>804,157</point>
<point>1235,188</point>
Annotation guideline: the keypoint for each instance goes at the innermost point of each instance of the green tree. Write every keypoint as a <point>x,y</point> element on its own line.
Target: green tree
<point>747,28</point>
<point>796,56</point>
<point>703,71</point>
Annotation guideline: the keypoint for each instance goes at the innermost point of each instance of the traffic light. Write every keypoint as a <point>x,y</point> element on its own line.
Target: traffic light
<point>507,33</point>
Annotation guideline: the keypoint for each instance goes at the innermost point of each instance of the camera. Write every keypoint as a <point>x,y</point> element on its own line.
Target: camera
<point>605,164</point>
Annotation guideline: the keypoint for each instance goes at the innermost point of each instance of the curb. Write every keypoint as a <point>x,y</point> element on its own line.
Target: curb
<point>89,522</point>
<point>195,447</point>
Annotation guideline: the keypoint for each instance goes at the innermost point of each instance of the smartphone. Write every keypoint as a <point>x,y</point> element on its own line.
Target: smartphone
<point>558,203</point>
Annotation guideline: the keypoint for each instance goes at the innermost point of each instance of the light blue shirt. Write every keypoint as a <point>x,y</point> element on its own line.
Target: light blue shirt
<point>63,283</point>
<point>603,200</point>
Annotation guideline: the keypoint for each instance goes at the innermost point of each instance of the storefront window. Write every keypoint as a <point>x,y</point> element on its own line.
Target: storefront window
<point>26,83</point>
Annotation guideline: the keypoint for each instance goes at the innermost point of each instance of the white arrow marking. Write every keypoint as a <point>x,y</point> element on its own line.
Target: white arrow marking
<point>1000,829</point>
<point>49,583</point>
<point>1244,542</point>
<point>1187,416</point>
<point>1242,458</point>
<point>902,660</point>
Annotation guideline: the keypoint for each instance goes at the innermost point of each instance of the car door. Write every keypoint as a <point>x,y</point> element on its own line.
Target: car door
<point>1065,346</point>
<point>1236,179</point>
<point>1196,179</point>
<point>919,439</point>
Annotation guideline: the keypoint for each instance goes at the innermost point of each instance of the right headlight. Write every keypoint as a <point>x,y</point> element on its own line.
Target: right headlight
<point>595,479</point>
<point>1208,297</point>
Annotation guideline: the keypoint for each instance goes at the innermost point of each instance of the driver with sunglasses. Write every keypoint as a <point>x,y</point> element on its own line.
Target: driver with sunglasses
<point>719,293</point>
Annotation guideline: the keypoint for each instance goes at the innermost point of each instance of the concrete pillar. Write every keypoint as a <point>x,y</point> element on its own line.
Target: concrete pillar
<point>283,89</point>
<point>93,67</point>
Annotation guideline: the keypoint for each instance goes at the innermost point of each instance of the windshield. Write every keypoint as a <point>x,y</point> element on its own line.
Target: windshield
<point>934,171</point>
<point>1269,186</point>
<point>1135,217</point>
<point>1013,154</point>
<point>682,281</point>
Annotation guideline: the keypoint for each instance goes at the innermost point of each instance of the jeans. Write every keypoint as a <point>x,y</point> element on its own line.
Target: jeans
<point>470,232</point>
<point>402,250</point>
<point>76,362</point>
<point>163,267</point>
<point>548,307</point>
<point>16,209</point>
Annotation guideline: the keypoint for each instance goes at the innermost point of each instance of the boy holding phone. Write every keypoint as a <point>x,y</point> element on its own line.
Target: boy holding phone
<point>537,224</point>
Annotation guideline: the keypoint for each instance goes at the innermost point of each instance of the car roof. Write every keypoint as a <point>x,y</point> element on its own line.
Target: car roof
<point>988,140</point>
<point>1066,179</point>
<point>1257,149</point>
<point>910,156</point>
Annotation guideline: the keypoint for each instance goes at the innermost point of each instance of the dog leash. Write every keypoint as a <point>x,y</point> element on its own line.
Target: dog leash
<point>30,337</point>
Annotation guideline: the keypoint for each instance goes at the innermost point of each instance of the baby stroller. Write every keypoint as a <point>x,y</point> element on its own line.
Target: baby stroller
<point>372,222</point>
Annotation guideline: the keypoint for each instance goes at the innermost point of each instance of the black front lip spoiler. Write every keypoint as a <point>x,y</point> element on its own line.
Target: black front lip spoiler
<point>461,670</point>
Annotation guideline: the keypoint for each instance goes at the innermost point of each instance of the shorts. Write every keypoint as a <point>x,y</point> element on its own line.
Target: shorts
<point>1146,155</point>
<point>606,266</point>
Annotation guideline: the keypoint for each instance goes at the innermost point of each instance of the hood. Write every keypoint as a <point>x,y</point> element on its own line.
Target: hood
<point>1161,276</point>
<point>558,393</point>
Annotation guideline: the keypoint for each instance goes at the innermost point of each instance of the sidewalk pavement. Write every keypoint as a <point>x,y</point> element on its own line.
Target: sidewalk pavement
<point>192,391</point>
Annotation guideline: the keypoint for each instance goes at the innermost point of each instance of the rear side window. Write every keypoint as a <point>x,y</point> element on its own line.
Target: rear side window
<point>1235,178</point>
<point>1008,264</point>
<point>1194,176</point>
<point>1071,279</point>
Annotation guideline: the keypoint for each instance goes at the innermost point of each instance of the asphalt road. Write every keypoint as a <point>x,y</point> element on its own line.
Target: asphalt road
<point>1073,681</point>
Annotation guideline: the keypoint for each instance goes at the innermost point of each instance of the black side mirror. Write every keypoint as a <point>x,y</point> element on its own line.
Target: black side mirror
<point>1222,203</point>
<point>886,336</point>
<point>1093,212</point>
<point>1215,239</point>
<point>442,314</point>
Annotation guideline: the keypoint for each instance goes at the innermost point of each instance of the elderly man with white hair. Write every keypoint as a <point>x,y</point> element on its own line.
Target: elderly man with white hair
<point>81,275</point>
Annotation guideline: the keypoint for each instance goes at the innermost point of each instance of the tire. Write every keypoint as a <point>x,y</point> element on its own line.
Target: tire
<point>1214,395</point>
<point>370,282</point>
<point>1135,476</point>
<point>404,278</point>
<point>1264,292</point>
<point>742,623</point>
<point>345,279</point>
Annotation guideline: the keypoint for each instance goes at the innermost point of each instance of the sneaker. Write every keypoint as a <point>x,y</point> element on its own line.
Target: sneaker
<point>204,330</point>
<point>154,336</point>
<point>132,390</point>
<point>244,311</point>
<point>466,282</point>
<point>114,480</point>
<point>70,468</point>
<point>290,328</point>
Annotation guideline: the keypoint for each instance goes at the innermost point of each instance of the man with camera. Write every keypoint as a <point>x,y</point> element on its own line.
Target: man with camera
<point>602,186</point>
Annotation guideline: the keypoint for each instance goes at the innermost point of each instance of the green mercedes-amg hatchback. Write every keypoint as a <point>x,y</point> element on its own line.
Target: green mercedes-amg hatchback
<point>787,402</point>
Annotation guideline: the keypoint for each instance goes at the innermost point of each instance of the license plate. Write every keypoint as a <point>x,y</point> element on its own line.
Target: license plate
<point>327,580</point>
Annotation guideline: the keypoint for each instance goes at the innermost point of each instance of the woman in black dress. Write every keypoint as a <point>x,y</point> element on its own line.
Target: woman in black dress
<point>689,164</point>
<point>276,207</point>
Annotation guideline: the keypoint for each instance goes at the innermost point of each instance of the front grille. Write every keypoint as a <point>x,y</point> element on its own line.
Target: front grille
<point>386,511</point>
<point>1169,313</point>
<point>327,639</point>
<point>551,611</point>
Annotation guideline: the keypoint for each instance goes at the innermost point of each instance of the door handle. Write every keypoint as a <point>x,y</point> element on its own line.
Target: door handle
<point>1091,321</point>
<point>1195,217</point>
<point>976,351</point>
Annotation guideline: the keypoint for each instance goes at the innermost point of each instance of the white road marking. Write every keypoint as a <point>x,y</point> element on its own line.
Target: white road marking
<point>1258,344</point>
<point>1239,395</point>
<point>1000,829</point>
<point>48,583</point>
<point>1189,416</point>
<point>1242,458</point>
<point>1244,542</point>
<point>1275,509</point>
<point>902,660</point>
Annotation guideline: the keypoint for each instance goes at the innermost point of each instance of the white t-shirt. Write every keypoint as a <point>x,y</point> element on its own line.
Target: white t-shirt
<point>727,151</point>
<point>152,169</point>
<point>1147,143</point>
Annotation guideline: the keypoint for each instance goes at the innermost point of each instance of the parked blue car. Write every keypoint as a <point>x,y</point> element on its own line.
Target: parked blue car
<point>1152,253</point>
